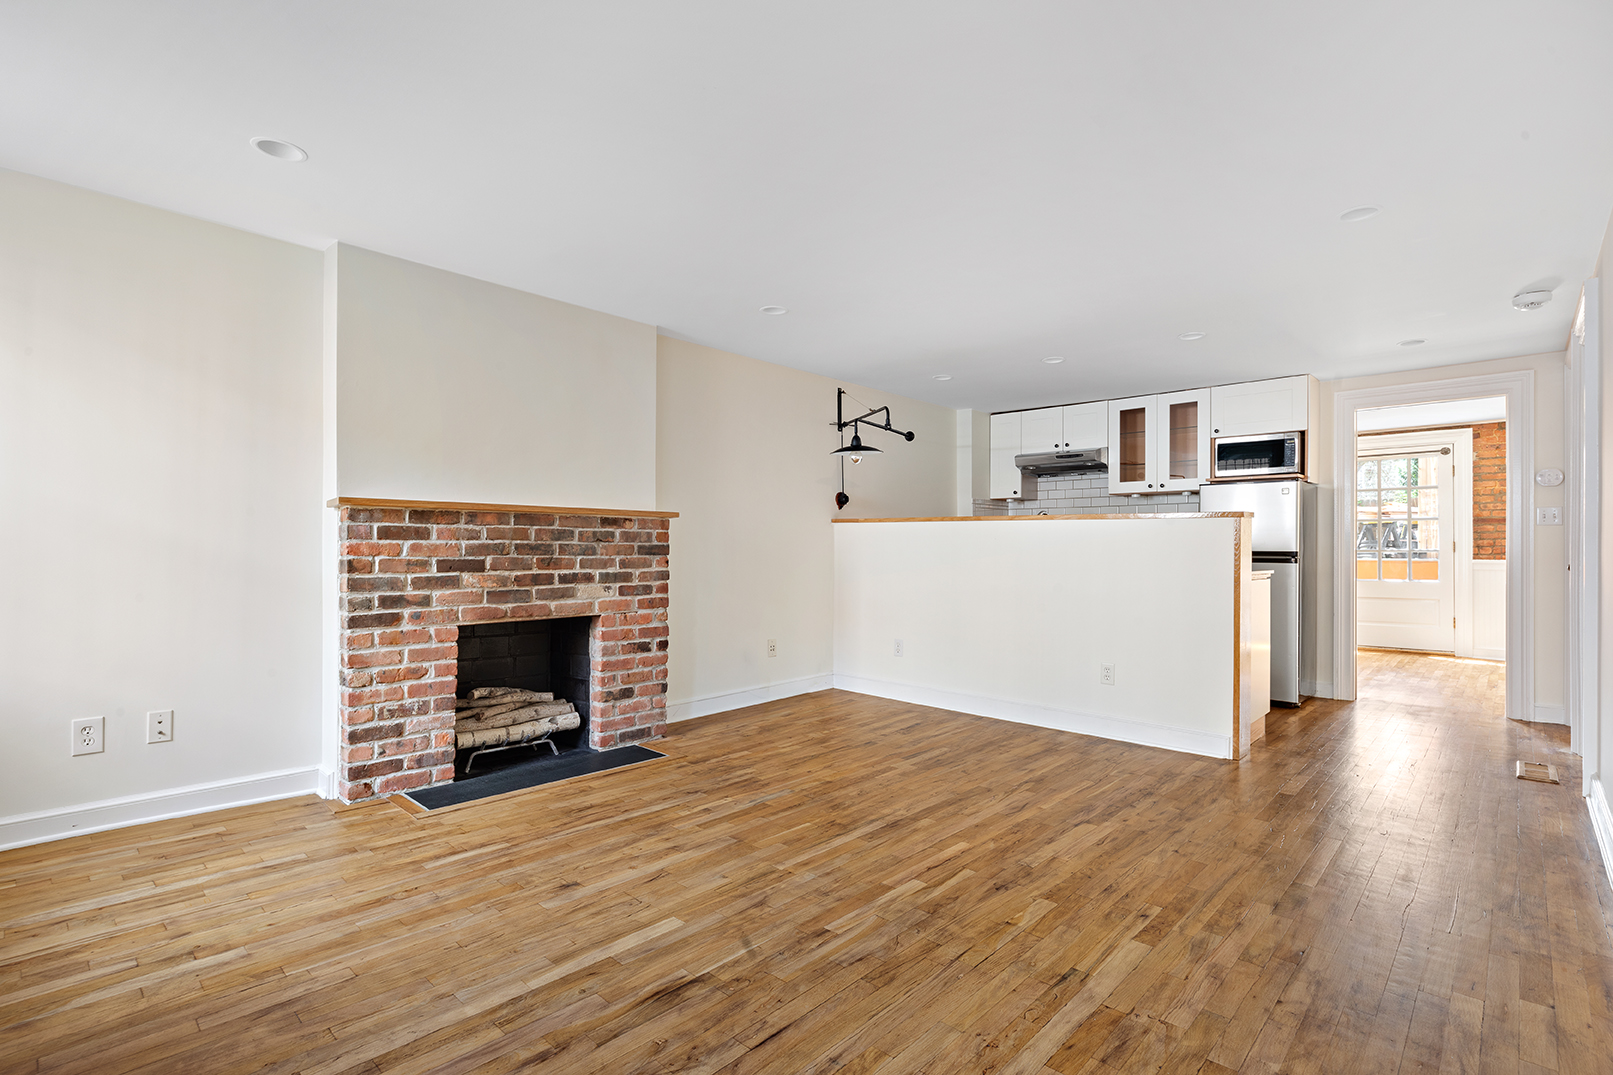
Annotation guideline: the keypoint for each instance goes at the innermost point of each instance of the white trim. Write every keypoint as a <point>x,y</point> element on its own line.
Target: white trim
<point>1583,401</point>
<point>1519,388</point>
<point>1206,744</point>
<point>327,783</point>
<point>20,830</point>
<point>1601,822</point>
<point>1316,688</point>
<point>1550,714</point>
<point>708,704</point>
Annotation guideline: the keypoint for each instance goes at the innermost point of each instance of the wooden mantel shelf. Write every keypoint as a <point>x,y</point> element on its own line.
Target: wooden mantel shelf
<point>454,505</point>
<point>1053,518</point>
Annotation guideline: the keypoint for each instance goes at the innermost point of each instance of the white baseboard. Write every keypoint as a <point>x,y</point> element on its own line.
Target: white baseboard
<point>1550,714</point>
<point>722,703</point>
<point>1484,653</point>
<point>1602,822</point>
<point>1318,688</point>
<point>327,783</point>
<point>1207,744</point>
<point>20,830</point>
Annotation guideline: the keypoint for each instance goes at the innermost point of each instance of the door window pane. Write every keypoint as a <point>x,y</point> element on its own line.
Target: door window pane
<point>1397,528</point>
<point>1184,461</point>
<point>1133,444</point>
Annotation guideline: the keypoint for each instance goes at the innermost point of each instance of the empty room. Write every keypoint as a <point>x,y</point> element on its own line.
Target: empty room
<point>1043,539</point>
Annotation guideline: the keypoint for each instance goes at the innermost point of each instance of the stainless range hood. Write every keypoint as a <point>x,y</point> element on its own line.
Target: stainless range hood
<point>1048,464</point>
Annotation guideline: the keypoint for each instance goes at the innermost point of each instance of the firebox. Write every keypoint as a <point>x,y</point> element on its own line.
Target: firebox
<point>549,656</point>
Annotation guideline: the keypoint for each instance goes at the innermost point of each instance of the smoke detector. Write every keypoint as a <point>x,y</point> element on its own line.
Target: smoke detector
<point>1530,300</point>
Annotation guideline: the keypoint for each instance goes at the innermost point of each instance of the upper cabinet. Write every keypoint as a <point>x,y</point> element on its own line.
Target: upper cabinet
<point>1086,425</point>
<point>1159,444</point>
<point>1184,434</point>
<point>1072,428</point>
<point>1275,406</point>
<point>1006,433</point>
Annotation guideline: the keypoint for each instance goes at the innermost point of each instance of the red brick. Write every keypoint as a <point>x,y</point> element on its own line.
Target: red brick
<point>371,658</point>
<point>407,637</point>
<point>372,733</point>
<point>458,597</point>
<point>370,548</point>
<point>532,519</point>
<point>482,613</point>
<point>430,688</point>
<point>444,634</point>
<point>353,791</point>
<point>434,548</point>
<point>427,654</point>
<point>432,615</point>
<point>432,723</point>
<point>433,515</point>
<point>411,745</point>
<point>372,515</point>
<point>356,532</point>
<point>391,785</point>
<point>403,565</point>
<point>372,619</point>
<point>405,710</point>
<point>358,640</point>
<point>488,518</point>
<point>354,679</point>
<point>361,752</point>
<point>401,675</point>
<point>430,759</point>
<point>435,582</point>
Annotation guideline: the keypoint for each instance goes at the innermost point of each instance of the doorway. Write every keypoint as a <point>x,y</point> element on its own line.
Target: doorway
<point>1400,584</point>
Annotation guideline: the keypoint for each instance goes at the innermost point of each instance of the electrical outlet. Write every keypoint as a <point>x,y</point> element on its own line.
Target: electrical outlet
<point>160,726</point>
<point>1108,675</point>
<point>1549,516</point>
<point>898,647</point>
<point>89,735</point>
<point>772,647</point>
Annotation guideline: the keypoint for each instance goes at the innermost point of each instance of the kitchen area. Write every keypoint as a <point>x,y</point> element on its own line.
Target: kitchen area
<point>1143,570</point>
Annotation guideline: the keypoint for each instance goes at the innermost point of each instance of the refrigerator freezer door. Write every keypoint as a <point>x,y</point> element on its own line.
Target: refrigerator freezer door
<point>1284,632</point>
<point>1276,507</point>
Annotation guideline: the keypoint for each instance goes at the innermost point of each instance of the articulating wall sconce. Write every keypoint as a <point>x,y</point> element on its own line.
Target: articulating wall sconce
<point>856,450</point>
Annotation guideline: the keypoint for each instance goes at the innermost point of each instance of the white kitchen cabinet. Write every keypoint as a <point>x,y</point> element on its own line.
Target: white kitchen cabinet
<point>1043,430</point>
<point>1006,433</point>
<point>1184,441</point>
<point>1086,425</point>
<point>1275,406</point>
<point>1134,445</point>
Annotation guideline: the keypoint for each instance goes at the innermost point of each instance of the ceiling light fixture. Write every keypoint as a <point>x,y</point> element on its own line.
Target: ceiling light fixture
<point>1530,300</point>
<point>1053,361</point>
<point>1412,343</point>
<point>943,377</point>
<point>1360,212</point>
<point>774,311</point>
<point>857,449</point>
<point>1191,336</point>
<point>279,150</point>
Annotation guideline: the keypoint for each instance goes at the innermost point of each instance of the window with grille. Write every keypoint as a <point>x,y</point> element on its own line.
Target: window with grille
<point>1397,518</point>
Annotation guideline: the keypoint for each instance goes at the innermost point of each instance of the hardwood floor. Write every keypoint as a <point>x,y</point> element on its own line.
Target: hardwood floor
<point>841,883</point>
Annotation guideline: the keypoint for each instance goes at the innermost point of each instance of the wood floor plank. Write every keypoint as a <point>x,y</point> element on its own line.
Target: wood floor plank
<point>839,883</point>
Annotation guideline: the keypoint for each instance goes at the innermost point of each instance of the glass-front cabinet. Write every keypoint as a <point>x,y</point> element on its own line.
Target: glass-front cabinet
<point>1184,431</point>
<point>1159,444</point>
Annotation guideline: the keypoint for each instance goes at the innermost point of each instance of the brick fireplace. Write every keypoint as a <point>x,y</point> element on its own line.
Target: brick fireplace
<point>411,574</point>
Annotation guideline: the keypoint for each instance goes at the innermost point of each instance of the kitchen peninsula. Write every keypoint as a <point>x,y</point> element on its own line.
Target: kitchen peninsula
<point>1131,627</point>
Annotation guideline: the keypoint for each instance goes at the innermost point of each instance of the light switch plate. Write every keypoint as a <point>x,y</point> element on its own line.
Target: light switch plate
<point>1549,516</point>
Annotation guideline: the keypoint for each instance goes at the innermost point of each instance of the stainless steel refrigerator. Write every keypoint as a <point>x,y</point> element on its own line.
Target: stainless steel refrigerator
<point>1284,544</point>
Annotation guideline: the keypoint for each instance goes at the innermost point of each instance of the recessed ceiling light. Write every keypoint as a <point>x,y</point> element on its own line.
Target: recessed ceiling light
<point>1360,212</point>
<point>280,151</point>
<point>1053,361</point>
<point>943,376</point>
<point>1191,336</point>
<point>1412,343</point>
<point>1530,300</point>
<point>774,311</point>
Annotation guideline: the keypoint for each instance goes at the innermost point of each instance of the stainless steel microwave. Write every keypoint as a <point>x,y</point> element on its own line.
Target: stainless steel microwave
<point>1264,455</point>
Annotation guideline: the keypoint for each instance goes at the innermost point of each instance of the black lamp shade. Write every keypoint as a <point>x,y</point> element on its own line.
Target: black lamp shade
<point>856,446</point>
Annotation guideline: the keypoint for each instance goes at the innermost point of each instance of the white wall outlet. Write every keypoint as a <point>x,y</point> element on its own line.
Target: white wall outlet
<point>160,726</point>
<point>1549,516</point>
<point>1108,675</point>
<point>89,735</point>
<point>772,647</point>
<point>898,647</point>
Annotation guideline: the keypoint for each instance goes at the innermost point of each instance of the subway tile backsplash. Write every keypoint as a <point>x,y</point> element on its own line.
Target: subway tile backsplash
<point>1087,494</point>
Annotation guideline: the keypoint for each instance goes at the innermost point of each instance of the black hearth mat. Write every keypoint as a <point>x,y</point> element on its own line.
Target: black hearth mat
<point>529,774</point>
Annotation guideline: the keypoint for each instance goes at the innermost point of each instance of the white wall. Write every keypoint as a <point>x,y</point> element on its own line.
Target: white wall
<point>974,459</point>
<point>1013,617</point>
<point>743,455</point>
<point>451,388</point>
<point>1549,616</point>
<point>160,471</point>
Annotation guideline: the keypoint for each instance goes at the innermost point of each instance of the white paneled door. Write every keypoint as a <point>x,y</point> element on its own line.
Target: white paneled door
<point>1405,544</point>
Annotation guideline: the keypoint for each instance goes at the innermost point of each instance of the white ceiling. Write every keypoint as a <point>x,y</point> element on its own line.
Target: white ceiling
<point>929,187</point>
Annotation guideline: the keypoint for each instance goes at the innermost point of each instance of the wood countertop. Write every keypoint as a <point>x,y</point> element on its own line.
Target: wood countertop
<point>1048,518</point>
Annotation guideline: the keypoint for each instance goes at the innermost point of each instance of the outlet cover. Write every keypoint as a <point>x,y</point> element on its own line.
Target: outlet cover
<point>160,726</point>
<point>1108,675</point>
<point>89,735</point>
<point>772,647</point>
<point>898,647</point>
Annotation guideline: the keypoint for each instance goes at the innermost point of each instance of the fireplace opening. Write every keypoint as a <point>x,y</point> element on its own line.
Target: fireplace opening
<point>546,657</point>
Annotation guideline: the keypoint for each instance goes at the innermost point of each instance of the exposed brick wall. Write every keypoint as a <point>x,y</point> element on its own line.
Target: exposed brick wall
<point>1490,491</point>
<point>410,576</point>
